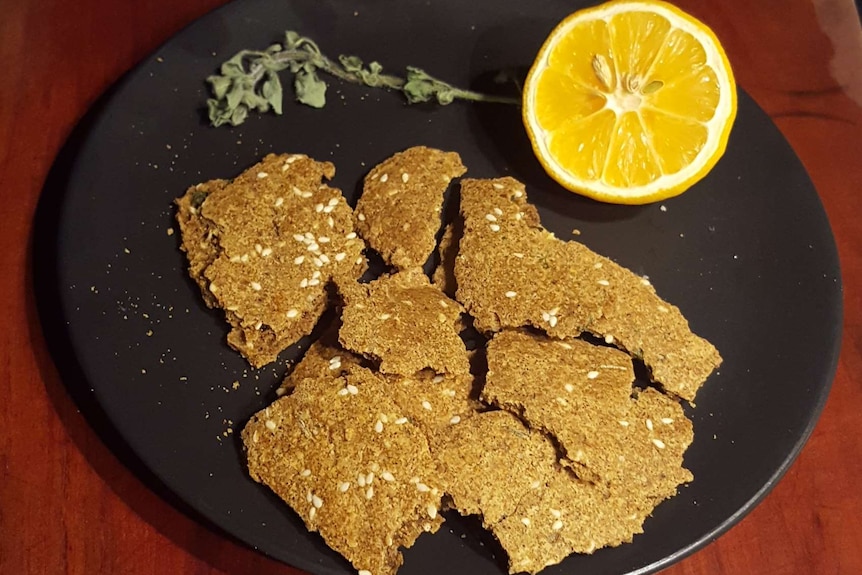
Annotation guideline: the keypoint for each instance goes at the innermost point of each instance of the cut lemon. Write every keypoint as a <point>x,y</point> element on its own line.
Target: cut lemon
<point>629,102</point>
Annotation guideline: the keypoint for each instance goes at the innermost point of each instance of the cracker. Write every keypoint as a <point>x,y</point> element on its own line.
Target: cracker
<point>320,361</point>
<point>566,516</point>
<point>405,323</point>
<point>491,461</point>
<point>511,272</point>
<point>334,452</point>
<point>399,210</point>
<point>580,394</point>
<point>264,246</point>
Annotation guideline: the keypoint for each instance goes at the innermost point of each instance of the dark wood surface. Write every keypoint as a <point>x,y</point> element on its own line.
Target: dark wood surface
<point>67,505</point>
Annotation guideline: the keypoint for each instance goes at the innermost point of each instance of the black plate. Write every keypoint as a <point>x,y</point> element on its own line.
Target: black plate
<point>747,254</point>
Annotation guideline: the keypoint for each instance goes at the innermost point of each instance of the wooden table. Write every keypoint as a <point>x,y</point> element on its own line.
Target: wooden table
<point>67,505</point>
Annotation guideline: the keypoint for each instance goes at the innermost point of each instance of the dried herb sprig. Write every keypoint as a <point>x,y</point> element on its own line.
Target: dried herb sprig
<point>249,81</point>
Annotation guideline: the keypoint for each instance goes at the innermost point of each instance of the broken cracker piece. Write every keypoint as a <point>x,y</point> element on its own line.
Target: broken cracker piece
<point>367,484</point>
<point>405,323</point>
<point>511,272</point>
<point>264,246</point>
<point>399,210</point>
<point>580,394</point>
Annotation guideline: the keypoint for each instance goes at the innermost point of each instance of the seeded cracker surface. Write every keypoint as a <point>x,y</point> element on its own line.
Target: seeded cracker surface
<point>405,323</point>
<point>348,464</point>
<point>264,246</point>
<point>580,394</point>
<point>511,273</point>
<point>497,468</point>
<point>320,361</point>
<point>399,210</point>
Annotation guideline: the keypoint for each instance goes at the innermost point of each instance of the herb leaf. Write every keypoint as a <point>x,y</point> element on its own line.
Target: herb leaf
<point>249,81</point>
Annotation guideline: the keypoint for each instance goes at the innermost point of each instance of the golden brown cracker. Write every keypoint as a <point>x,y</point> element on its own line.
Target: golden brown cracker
<point>511,272</point>
<point>278,235</point>
<point>405,323</point>
<point>339,452</point>
<point>399,210</point>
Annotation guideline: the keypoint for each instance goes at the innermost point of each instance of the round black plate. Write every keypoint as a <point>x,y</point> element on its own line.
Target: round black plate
<point>747,254</point>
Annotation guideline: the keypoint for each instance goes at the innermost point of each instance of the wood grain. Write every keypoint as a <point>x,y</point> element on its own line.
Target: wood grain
<point>67,505</point>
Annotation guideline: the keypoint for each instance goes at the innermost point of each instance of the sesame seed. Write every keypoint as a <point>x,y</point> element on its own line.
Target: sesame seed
<point>234,259</point>
<point>307,195</point>
<point>556,513</point>
<point>299,237</point>
<point>254,436</point>
<point>335,365</point>
<point>369,479</point>
<point>278,202</point>
<point>604,282</point>
<point>649,424</point>
<point>313,282</point>
<point>340,256</point>
<point>437,379</point>
<point>262,175</point>
<point>558,524</point>
<point>243,258</point>
<point>313,247</point>
<point>342,392</point>
<point>360,217</point>
<point>328,209</point>
<point>256,286</point>
<point>359,260</point>
<point>258,325</point>
<point>592,375</point>
<point>562,401</point>
<point>344,486</point>
<point>519,216</point>
<point>318,262</point>
<point>316,501</point>
<point>258,248</point>
<point>497,186</point>
<point>305,472</point>
<point>546,316</point>
<point>569,387</point>
<point>285,167</point>
<point>270,425</point>
<point>525,521</point>
<point>598,265</point>
<point>553,321</point>
<point>315,275</point>
<point>297,191</point>
<point>432,511</point>
<point>369,493</point>
<point>324,258</point>
<point>494,228</point>
<point>333,202</point>
<point>292,159</point>
<point>663,309</point>
<point>303,283</point>
<point>491,217</point>
<point>378,427</point>
<point>554,311</point>
<point>663,208</point>
<point>384,316</point>
<point>666,420</point>
<point>386,476</point>
<point>449,392</point>
<point>212,287</point>
<point>351,236</point>
<point>363,572</point>
<point>426,405</point>
<point>498,211</point>
<point>455,419</point>
<point>405,177</point>
<point>309,496</point>
<point>383,178</point>
<point>658,443</point>
<point>624,423</point>
<point>422,487</point>
<point>401,421</point>
<point>352,389</point>
<point>563,345</point>
<point>511,294</point>
<point>323,240</point>
<point>645,281</point>
<point>318,208</point>
<point>266,252</point>
<point>330,222</point>
<point>312,512</point>
<point>360,480</point>
<point>518,255</point>
<point>535,484</point>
